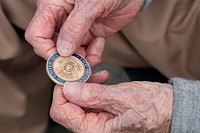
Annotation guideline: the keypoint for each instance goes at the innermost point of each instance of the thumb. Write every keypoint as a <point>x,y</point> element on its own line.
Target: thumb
<point>74,29</point>
<point>88,95</point>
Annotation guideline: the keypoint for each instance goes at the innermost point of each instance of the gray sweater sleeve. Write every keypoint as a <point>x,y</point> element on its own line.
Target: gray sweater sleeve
<point>186,108</point>
<point>146,4</point>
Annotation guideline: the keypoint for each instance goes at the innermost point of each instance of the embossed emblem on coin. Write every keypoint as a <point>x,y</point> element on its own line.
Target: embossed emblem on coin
<point>64,69</point>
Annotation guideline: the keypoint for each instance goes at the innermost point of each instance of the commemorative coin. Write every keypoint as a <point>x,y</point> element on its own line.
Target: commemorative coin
<point>67,69</point>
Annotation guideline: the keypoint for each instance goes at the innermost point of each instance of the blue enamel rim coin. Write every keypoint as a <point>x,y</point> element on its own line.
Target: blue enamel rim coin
<point>58,79</point>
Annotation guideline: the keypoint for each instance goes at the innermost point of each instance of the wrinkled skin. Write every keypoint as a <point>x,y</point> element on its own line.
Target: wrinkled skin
<point>69,26</point>
<point>128,107</point>
<point>65,25</point>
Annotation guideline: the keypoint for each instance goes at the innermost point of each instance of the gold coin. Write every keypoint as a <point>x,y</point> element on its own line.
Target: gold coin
<point>64,69</point>
<point>69,68</point>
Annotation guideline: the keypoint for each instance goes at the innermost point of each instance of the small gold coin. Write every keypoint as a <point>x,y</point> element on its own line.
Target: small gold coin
<point>69,69</point>
<point>65,69</point>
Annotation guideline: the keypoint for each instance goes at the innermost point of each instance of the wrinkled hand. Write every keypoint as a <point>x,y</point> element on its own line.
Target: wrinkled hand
<point>72,23</point>
<point>127,107</point>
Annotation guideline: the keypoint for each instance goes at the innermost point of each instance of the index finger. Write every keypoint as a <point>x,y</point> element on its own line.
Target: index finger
<point>40,32</point>
<point>76,28</point>
<point>43,30</point>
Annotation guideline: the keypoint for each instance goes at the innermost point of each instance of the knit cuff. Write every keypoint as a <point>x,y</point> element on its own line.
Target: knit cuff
<point>186,108</point>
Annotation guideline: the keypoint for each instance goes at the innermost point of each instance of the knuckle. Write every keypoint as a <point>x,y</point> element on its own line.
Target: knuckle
<point>94,95</point>
<point>28,36</point>
<point>37,51</point>
<point>53,113</point>
<point>56,114</point>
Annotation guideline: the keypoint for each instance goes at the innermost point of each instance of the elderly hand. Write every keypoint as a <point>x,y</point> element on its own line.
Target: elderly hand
<point>127,107</point>
<point>72,23</point>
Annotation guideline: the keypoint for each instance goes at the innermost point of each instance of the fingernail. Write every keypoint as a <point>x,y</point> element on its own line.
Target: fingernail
<point>65,48</point>
<point>102,72</point>
<point>93,63</point>
<point>72,89</point>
